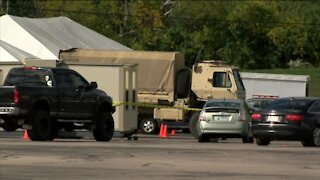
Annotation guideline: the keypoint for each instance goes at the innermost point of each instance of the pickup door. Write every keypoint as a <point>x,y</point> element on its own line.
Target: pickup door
<point>75,101</point>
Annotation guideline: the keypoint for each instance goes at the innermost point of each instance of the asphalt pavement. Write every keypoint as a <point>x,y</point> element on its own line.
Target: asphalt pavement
<point>177,157</point>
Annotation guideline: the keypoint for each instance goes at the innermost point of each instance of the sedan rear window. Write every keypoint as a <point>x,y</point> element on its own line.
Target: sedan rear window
<point>296,104</point>
<point>223,104</point>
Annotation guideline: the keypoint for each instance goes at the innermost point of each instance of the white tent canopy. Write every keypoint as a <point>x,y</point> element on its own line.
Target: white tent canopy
<point>43,38</point>
<point>9,53</point>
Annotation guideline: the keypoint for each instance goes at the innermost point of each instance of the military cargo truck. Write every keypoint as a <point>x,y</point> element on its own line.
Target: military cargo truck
<point>168,91</point>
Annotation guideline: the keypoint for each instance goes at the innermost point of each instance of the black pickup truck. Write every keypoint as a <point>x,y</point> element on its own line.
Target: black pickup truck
<point>44,100</point>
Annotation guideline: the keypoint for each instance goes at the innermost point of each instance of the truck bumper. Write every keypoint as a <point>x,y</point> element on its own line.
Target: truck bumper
<point>9,111</point>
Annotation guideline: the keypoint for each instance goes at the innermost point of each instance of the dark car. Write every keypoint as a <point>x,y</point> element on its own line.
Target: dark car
<point>256,104</point>
<point>292,118</point>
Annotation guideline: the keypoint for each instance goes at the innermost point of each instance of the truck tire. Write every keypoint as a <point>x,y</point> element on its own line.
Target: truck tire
<point>149,126</point>
<point>104,127</point>
<point>193,124</point>
<point>183,83</point>
<point>43,128</point>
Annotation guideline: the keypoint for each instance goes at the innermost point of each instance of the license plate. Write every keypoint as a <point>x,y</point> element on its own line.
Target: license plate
<point>220,118</point>
<point>273,118</point>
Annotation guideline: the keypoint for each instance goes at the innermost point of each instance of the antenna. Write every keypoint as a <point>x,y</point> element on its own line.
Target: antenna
<point>197,58</point>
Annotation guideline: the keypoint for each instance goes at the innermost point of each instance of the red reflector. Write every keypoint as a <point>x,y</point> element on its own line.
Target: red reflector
<point>30,68</point>
<point>294,117</point>
<point>16,96</point>
<point>256,116</point>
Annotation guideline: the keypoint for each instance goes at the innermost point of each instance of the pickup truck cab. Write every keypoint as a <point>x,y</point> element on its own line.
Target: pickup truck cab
<point>44,100</point>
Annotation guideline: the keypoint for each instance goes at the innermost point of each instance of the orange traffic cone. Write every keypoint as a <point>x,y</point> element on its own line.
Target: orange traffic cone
<point>161,130</point>
<point>173,132</point>
<point>25,136</point>
<point>165,131</point>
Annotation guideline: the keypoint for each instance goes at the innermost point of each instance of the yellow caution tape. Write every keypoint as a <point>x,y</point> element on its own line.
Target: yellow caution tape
<point>154,106</point>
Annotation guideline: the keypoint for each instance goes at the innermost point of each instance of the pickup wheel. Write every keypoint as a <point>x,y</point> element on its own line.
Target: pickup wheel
<point>43,128</point>
<point>104,127</point>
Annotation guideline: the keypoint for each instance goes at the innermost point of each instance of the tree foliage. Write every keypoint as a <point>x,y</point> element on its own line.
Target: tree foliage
<point>250,34</point>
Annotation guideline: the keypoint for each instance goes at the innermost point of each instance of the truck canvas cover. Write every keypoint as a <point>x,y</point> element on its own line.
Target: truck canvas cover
<point>156,70</point>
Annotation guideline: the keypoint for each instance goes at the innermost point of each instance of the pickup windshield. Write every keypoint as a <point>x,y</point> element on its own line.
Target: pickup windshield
<point>40,77</point>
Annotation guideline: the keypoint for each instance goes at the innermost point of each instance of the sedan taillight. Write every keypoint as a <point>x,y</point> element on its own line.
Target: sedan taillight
<point>202,117</point>
<point>256,116</point>
<point>294,117</point>
<point>16,96</point>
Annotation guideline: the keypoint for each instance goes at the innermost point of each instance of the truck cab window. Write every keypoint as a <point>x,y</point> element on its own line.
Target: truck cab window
<point>78,81</point>
<point>238,80</point>
<point>63,79</point>
<point>67,78</point>
<point>221,79</point>
<point>28,77</point>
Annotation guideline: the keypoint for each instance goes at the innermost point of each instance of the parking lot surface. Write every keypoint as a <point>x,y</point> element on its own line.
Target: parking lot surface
<point>152,157</point>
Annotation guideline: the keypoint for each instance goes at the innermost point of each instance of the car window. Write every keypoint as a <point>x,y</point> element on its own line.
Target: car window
<point>221,79</point>
<point>78,80</point>
<point>223,104</point>
<point>315,107</point>
<point>289,104</point>
<point>259,103</point>
<point>40,77</point>
<point>238,80</point>
<point>69,78</point>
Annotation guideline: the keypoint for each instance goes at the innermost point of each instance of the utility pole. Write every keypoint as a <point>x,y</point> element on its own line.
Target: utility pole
<point>7,10</point>
<point>167,7</point>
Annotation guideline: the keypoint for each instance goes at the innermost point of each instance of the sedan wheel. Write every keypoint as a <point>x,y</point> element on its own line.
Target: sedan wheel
<point>203,138</point>
<point>262,142</point>
<point>316,136</point>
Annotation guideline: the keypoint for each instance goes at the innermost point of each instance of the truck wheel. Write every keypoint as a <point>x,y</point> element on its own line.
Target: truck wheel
<point>43,128</point>
<point>193,125</point>
<point>149,126</point>
<point>183,83</point>
<point>104,127</point>
<point>262,142</point>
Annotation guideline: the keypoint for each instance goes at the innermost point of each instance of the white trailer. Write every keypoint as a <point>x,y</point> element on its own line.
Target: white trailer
<point>264,85</point>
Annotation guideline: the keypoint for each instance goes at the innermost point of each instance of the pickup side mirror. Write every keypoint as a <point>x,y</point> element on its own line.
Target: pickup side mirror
<point>93,85</point>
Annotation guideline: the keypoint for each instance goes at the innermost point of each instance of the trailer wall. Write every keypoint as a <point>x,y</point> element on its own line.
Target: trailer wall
<point>5,68</point>
<point>274,85</point>
<point>119,81</point>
